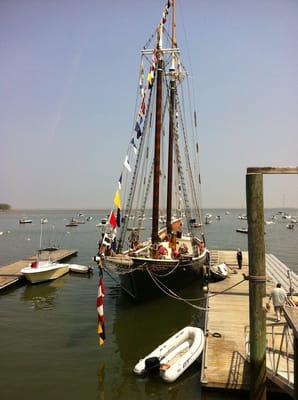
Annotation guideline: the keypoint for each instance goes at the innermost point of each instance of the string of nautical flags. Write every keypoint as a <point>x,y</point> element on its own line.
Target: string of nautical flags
<point>143,88</point>
<point>114,220</point>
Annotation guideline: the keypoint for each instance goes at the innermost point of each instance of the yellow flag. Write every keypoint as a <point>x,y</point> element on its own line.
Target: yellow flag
<point>117,200</point>
<point>100,331</point>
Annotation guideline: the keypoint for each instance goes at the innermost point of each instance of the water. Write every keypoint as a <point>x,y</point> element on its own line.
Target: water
<point>48,333</point>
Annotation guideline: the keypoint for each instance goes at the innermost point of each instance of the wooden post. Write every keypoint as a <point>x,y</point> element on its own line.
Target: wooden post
<point>257,285</point>
<point>295,367</point>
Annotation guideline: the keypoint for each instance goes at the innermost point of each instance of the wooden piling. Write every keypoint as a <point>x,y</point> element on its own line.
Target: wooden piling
<point>257,285</point>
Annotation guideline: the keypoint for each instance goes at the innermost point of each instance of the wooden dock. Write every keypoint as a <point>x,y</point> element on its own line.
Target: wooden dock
<point>225,360</point>
<point>11,274</point>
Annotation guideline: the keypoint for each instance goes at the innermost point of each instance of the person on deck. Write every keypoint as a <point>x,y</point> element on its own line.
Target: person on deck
<point>183,248</point>
<point>162,251</point>
<point>175,254</point>
<point>278,296</point>
<point>239,258</point>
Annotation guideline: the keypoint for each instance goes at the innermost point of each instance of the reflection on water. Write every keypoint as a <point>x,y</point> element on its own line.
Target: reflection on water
<point>42,295</point>
<point>100,380</point>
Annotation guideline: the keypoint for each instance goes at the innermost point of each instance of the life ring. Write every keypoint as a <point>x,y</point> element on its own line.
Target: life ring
<point>216,334</point>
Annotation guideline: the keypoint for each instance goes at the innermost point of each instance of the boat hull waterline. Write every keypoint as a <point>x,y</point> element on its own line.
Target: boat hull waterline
<point>174,356</point>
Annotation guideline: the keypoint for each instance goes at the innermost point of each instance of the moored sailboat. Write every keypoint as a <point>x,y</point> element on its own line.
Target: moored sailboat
<point>160,174</point>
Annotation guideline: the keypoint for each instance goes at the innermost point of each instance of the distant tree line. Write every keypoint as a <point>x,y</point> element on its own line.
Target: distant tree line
<point>4,207</point>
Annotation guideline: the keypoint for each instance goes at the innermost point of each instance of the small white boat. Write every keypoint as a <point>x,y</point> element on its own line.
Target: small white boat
<point>103,222</point>
<point>242,230</point>
<point>219,272</point>
<point>73,222</point>
<point>81,269</point>
<point>242,216</point>
<point>25,220</point>
<point>174,356</point>
<point>42,271</point>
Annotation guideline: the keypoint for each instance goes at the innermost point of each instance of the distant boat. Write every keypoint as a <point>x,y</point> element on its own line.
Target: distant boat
<point>43,220</point>
<point>286,216</point>
<point>103,222</point>
<point>242,216</point>
<point>208,218</point>
<point>73,222</point>
<point>242,230</point>
<point>174,356</point>
<point>291,225</point>
<point>42,271</point>
<point>25,220</point>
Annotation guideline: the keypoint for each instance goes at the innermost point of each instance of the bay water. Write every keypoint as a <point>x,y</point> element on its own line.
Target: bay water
<point>48,337</point>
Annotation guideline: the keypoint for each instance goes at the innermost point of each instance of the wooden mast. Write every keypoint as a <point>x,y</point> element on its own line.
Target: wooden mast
<point>158,120</point>
<point>171,128</point>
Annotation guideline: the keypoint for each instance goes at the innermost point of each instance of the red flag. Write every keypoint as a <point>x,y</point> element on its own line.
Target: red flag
<point>100,313</point>
<point>112,220</point>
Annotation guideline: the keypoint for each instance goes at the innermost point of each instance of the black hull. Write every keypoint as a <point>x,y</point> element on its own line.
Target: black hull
<point>150,280</point>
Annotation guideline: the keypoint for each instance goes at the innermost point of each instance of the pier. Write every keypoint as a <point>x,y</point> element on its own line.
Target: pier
<point>11,274</point>
<point>226,357</point>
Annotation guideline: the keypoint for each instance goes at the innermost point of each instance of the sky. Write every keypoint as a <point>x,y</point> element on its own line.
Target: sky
<point>68,78</point>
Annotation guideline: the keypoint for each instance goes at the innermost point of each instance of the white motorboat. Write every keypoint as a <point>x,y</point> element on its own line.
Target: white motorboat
<point>174,356</point>
<point>81,269</point>
<point>42,271</point>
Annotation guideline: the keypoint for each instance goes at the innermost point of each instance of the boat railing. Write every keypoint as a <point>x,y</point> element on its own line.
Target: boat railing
<point>279,354</point>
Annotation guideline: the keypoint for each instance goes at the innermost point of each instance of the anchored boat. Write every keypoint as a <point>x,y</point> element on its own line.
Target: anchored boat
<point>153,238</point>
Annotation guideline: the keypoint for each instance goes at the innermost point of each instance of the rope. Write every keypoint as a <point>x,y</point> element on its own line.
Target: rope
<point>257,278</point>
<point>168,273</point>
<point>227,289</point>
<point>172,294</point>
<point>115,280</point>
<point>175,296</point>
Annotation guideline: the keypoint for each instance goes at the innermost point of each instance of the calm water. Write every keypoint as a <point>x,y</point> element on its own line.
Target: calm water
<point>48,337</point>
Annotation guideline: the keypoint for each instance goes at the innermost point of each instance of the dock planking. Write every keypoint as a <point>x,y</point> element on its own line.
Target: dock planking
<point>11,274</point>
<point>225,363</point>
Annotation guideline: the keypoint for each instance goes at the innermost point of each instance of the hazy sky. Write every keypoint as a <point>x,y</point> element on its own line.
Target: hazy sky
<point>68,79</point>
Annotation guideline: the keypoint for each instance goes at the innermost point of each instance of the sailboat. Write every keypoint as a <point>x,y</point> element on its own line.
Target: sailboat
<point>160,176</point>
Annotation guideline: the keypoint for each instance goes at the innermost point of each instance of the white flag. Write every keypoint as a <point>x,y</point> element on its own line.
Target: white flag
<point>126,164</point>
